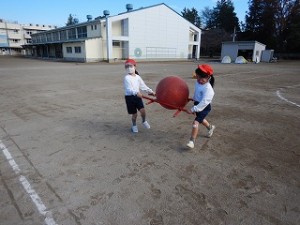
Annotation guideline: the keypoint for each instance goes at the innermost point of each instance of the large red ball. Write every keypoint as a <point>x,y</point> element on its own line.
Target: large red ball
<point>172,92</point>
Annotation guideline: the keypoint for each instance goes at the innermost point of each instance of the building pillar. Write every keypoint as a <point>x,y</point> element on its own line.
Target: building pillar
<point>108,39</point>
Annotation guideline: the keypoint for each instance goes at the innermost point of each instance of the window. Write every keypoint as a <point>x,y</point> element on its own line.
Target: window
<point>55,36</point>
<point>69,49</point>
<point>28,41</point>
<point>72,33</point>
<point>40,38</point>
<point>77,49</point>
<point>116,43</point>
<point>81,31</point>
<point>195,37</point>
<point>49,37</point>
<point>43,38</point>
<point>124,27</point>
<point>34,39</point>
<point>63,35</point>
<point>95,27</point>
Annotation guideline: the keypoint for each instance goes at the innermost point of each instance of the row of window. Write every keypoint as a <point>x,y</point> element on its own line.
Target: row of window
<point>42,25</point>
<point>77,49</point>
<point>28,41</point>
<point>70,34</point>
<point>27,31</point>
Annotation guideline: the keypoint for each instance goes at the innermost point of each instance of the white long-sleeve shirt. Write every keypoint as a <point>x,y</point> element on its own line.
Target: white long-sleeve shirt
<point>203,94</point>
<point>134,83</point>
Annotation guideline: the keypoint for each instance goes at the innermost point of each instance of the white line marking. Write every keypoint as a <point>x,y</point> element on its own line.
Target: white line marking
<point>283,98</point>
<point>32,193</point>
<point>277,92</point>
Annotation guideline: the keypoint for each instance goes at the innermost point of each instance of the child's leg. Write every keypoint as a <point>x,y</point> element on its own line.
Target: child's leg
<point>194,130</point>
<point>143,114</point>
<point>205,123</point>
<point>194,134</point>
<point>209,127</point>
<point>133,119</point>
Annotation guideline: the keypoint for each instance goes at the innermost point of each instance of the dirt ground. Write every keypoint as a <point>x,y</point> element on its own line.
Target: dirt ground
<point>73,160</point>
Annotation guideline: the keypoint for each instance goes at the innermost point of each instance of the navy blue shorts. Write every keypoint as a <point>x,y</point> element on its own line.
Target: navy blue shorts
<point>133,104</point>
<point>200,116</point>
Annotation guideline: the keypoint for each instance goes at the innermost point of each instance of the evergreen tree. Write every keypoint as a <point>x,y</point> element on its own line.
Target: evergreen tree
<point>220,23</point>
<point>208,18</point>
<point>291,33</point>
<point>225,17</point>
<point>288,24</point>
<point>274,23</point>
<point>253,17</point>
<point>192,16</point>
<point>268,31</point>
<point>71,20</point>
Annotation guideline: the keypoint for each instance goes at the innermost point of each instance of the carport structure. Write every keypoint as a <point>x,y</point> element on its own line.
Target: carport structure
<point>250,50</point>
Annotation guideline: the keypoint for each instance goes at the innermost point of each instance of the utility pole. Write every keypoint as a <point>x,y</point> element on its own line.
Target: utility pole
<point>234,34</point>
<point>108,38</point>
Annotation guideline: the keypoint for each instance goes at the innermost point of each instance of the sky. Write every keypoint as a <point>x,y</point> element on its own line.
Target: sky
<point>56,12</point>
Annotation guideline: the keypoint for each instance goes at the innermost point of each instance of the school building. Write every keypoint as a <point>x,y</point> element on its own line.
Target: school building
<point>14,35</point>
<point>149,33</point>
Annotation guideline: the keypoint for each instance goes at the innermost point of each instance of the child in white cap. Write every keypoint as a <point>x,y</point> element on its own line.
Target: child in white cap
<point>133,84</point>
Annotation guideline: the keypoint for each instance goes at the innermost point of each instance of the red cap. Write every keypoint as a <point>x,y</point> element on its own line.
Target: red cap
<point>131,62</point>
<point>205,68</point>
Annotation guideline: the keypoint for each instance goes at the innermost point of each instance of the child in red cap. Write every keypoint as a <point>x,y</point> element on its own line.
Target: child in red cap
<point>203,97</point>
<point>133,83</point>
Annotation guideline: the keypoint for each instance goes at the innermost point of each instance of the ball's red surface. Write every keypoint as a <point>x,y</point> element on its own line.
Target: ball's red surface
<point>173,91</point>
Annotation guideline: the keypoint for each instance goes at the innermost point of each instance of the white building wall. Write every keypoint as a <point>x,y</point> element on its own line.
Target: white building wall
<point>257,52</point>
<point>74,56</point>
<point>93,30</point>
<point>93,49</point>
<point>116,28</point>
<point>161,37</point>
<point>117,52</point>
<point>229,49</point>
<point>13,35</point>
<point>157,32</point>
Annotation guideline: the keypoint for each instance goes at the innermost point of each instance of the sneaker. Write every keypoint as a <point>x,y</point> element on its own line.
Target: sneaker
<point>211,131</point>
<point>146,125</point>
<point>134,129</point>
<point>190,144</point>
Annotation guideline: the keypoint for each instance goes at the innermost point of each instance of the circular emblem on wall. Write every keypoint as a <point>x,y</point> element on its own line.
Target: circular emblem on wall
<point>138,52</point>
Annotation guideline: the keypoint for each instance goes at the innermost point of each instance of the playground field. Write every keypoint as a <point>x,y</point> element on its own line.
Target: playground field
<point>68,155</point>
